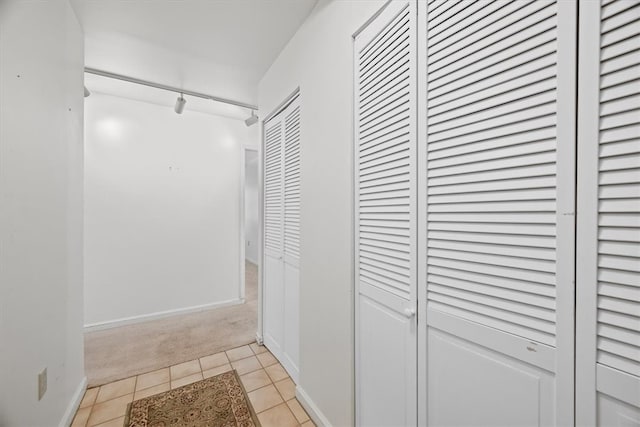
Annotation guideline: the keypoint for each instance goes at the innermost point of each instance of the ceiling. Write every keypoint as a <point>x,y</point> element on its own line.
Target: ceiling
<point>219,47</point>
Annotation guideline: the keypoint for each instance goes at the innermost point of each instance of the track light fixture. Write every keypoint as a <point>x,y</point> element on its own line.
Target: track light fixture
<point>252,119</point>
<point>180,102</point>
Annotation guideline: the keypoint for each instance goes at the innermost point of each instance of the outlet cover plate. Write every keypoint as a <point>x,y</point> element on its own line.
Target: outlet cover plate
<point>42,383</point>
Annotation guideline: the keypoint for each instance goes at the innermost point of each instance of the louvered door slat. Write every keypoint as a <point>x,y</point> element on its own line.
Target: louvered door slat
<point>273,191</point>
<point>385,160</point>
<point>608,326</point>
<point>492,166</point>
<point>474,20</point>
<point>292,182</point>
<point>619,198</point>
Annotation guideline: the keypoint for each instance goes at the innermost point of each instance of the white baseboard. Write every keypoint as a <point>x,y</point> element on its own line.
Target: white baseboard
<point>314,412</point>
<point>158,315</point>
<point>67,418</point>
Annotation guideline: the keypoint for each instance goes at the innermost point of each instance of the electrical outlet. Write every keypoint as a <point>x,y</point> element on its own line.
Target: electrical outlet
<point>42,383</point>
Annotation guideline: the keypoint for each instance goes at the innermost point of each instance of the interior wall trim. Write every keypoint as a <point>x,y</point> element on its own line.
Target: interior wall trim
<point>74,404</point>
<point>312,409</point>
<point>98,326</point>
<point>284,104</point>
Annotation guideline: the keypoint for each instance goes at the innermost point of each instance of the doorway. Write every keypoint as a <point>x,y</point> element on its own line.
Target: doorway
<point>250,229</point>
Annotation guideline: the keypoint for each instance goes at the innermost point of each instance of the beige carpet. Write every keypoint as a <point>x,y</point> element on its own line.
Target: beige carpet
<point>122,352</point>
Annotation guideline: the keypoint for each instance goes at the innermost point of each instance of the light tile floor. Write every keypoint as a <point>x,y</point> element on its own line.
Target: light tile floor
<point>270,390</point>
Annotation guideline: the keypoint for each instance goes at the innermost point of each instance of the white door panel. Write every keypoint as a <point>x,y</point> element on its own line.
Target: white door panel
<point>497,196</point>
<point>273,304</point>
<point>385,217</point>
<point>291,321</point>
<point>613,412</point>
<point>388,347</point>
<point>468,382</point>
<point>608,298</point>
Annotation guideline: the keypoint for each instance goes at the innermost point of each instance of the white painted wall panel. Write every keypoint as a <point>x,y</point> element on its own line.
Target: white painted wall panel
<point>41,151</point>
<point>319,59</point>
<point>162,208</point>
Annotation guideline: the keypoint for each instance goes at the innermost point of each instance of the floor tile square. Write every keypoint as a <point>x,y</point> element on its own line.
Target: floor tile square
<point>151,379</point>
<point>106,411</point>
<point>239,353</point>
<point>286,388</point>
<point>255,380</point>
<point>244,366</point>
<point>257,349</point>
<point>216,371</point>
<point>265,398</point>
<point>81,418</point>
<point>116,389</point>
<point>280,416</point>
<point>298,411</point>
<point>213,361</point>
<point>276,372</point>
<point>266,359</point>
<point>89,397</point>
<point>185,369</point>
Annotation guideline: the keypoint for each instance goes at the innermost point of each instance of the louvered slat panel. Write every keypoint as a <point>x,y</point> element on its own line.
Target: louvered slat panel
<point>273,193</point>
<point>491,165</point>
<point>385,158</point>
<point>292,183</point>
<point>618,331</point>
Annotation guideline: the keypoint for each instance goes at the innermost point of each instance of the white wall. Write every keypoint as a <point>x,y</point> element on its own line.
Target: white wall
<point>251,206</point>
<point>41,116</point>
<point>162,208</point>
<point>319,60</point>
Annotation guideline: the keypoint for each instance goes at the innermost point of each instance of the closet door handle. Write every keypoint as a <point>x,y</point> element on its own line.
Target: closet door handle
<point>409,312</point>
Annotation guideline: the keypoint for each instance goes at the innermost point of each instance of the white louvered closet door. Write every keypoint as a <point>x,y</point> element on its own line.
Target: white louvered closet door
<point>498,149</point>
<point>273,301</point>
<point>291,217</point>
<point>281,299</point>
<point>608,316</point>
<point>385,217</point>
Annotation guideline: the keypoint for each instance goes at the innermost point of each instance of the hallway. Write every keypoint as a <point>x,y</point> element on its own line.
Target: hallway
<point>283,213</point>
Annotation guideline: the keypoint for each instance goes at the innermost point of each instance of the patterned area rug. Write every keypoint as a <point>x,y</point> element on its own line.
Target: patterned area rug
<point>219,401</point>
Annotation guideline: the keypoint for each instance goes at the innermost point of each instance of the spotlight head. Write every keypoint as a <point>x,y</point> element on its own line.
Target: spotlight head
<point>252,119</point>
<point>180,103</point>
<point>86,92</point>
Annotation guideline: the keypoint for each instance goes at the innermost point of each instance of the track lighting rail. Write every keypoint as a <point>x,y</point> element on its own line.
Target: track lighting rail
<point>168,88</point>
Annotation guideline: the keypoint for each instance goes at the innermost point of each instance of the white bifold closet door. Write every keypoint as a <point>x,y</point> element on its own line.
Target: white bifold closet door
<point>385,217</point>
<point>281,301</point>
<point>497,152</point>
<point>608,313</point>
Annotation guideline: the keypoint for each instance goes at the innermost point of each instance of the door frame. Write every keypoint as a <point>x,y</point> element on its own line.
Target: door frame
<point>243,169</point>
